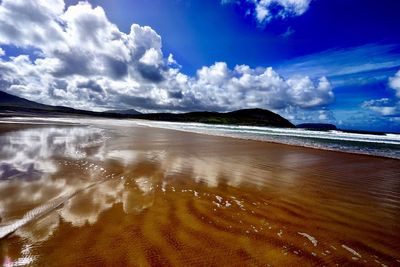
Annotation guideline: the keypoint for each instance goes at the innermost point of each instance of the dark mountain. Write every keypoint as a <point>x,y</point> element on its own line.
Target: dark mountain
<point>11,105</point>
<point>12,102</point>
<point>8,100</point>
<point>317,126</point>
<point>254,117</point>
<point>125,112</point>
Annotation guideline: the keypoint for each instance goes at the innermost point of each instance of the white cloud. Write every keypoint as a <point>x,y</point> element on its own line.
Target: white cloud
<point>386,106</point>
<point>151,57</point>
<point>383,106</point>
<point>2,52</point>
<point>262,87</point>
<point>394,83</point>
<point>262,12</point>
<point>306,94</point>
<point>86,62</point>
<point>24,22</point>
<point>266,10</point>
<point>298,115</point>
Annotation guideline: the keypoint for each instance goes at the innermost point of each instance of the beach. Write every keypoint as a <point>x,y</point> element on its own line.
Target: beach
<point>132,195</point>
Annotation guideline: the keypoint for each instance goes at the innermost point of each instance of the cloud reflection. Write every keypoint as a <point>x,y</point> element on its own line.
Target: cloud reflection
<point>41,164</point>
<point>29,153</point>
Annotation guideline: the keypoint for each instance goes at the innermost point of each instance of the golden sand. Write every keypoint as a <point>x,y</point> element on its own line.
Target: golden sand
<point>142,196</point>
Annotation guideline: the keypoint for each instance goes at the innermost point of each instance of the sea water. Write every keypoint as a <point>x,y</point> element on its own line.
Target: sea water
<point>386,145</point>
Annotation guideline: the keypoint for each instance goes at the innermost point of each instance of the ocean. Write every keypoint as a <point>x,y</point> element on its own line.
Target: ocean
<point>385,145</point>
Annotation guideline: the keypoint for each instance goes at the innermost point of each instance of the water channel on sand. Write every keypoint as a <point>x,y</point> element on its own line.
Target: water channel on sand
<point>114,195</point>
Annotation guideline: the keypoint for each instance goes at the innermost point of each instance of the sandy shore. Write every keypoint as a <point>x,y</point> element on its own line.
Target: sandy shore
<point>150,196</point>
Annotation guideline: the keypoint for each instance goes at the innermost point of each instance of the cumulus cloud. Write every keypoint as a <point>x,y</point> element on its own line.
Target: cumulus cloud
<point>247,87</point>
<point>84,61</point>
<point>24,22</point>
<point>266,10</point>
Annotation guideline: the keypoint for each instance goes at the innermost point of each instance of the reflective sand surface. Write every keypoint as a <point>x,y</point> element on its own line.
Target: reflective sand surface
<point>138,196</point>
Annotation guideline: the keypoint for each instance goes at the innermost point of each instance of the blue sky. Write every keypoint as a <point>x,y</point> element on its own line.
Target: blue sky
<point>308,60</point>
<point>202,32</point>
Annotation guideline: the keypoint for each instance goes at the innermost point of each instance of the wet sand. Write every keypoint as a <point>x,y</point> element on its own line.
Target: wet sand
<point>139,196</point>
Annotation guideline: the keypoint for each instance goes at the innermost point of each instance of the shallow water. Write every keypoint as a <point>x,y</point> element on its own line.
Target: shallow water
<point>379,144</point>
<point>123,194</point>
<point>384,144</point>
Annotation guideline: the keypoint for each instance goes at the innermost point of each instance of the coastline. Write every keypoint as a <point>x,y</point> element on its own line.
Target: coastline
<point>282,143</point>
<point>157,124</point>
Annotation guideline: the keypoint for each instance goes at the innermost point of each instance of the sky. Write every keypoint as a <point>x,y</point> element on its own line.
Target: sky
<point>327,61</point>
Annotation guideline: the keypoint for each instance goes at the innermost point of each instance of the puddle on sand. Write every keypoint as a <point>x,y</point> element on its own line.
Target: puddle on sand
<point>145,196</point>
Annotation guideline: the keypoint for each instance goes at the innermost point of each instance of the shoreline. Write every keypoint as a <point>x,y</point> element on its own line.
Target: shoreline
<point>280,143</point>
<point>148,123</point>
